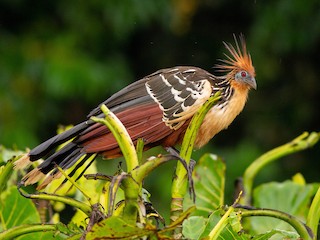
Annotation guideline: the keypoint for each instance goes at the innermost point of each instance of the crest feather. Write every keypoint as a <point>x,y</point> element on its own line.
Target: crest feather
<point>239,58</point>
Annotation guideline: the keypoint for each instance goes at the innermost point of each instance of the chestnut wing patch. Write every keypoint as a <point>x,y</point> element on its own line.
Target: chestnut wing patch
<point>142,121</point>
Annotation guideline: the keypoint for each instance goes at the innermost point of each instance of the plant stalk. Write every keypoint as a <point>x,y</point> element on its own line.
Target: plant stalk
<point>300,143</point>
<point>304,232</point>
<point>15,232</point>
<point>314,214</point>
<point>215,232</point>
<point>85,208</point>
<point>131,187</point>
<point>179,185</point>
<point>121,135</point>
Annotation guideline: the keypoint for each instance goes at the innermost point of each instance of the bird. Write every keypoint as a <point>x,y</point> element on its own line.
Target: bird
<point>157,108</point>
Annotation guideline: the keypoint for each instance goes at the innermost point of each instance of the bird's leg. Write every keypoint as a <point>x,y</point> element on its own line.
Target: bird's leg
<point>115,182</point>
<point>189,168</point>
<point>98,176</point>
<point>96,216</point>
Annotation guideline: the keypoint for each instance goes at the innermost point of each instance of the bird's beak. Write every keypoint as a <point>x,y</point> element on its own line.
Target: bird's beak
<point>252,83</point>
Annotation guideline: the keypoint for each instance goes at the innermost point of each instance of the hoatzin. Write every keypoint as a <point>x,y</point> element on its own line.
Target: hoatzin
<point>157,109</point>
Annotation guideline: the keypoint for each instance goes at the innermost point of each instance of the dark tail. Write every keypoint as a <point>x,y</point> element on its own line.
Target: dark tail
<point>65,157</point>
<point>46,147</point>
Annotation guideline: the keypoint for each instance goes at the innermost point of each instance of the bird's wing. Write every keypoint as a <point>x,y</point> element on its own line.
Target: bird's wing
<point>134,93</point>
<point>152,108</point>
<point>142,121</point>
<point>180,92</point>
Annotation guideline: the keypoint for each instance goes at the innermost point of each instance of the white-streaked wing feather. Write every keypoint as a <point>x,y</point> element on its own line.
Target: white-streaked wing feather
<point>180,93</point>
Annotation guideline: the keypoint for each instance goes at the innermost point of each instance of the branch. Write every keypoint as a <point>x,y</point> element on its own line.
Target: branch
<point>179,185</point>
<point>300,143</point>
<point>303,230</point>
<point>15,232</point>
<point>52,197</point>
<point>131,187</point>
<point>121,135</point>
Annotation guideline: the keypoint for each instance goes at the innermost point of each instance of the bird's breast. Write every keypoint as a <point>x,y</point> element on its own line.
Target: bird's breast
<point>220,117</point>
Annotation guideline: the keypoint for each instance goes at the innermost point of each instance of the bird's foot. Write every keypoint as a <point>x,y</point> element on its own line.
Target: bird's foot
<point>189,168</point>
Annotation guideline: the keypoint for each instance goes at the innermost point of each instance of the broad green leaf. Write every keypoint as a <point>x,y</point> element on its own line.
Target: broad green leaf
<point>117,228</point>
<point>209,182</point>
<point>16,210</point>
<point>6,154</point>
<point>228,232</point>
<point>276,234</point>
<point>290,197</point>
<point>193,227</point>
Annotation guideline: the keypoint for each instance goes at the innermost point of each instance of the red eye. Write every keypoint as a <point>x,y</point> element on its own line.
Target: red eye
<point>243,74</point>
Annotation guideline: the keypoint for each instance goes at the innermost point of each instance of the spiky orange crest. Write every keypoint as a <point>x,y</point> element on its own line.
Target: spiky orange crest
<point>240,59</point>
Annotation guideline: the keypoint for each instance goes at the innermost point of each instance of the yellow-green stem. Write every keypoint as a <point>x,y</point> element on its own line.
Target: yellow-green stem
<point>131,187</point>
<point>15,232</point>
<point>215,232</point>
<point>301,229</point>
<point>302,142</point>
<point>76,185</point>
<point>121,135</point>
<point>314,214</point>
<point>85,208</point>
<point>179,185</point>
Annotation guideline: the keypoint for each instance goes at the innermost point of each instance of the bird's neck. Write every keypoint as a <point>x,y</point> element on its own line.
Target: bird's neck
<point>222,114</point>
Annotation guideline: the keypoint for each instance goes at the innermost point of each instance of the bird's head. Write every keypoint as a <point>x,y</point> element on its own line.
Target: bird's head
<point>238,65</point>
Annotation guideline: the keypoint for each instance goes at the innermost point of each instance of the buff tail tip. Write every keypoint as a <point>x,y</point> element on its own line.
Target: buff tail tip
<point>22,162</point>
<point>33,176</point>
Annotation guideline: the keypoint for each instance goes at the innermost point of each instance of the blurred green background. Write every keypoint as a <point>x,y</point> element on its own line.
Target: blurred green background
<point>59,59</point>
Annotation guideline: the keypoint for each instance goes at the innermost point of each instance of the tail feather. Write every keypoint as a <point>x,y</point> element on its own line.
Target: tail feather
<point>56,174</point>
<point>44,148</point>
<point>78,166</point>
<point>65,157</point>
<point>72,159</point>
<point>48,180</point>
<point>57,157</point>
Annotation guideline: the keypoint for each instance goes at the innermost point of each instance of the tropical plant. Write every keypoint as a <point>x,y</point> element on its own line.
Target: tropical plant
<point>118,207</point>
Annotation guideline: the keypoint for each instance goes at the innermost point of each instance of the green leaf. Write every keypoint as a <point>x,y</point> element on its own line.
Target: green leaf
<point>228,232</point>
<point>279,234</point>
<point>16,210</point>
<point>300,143</point>
<point>211,222</point>
<point>235,221</point>
<point>117,228</point>
<point>193,227</point>
<point>314,213</point>
<point>288,197</point>
<point>5,173</point>
<point>6,154</point>
<point>209,183</point>
<point>70,229</point>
